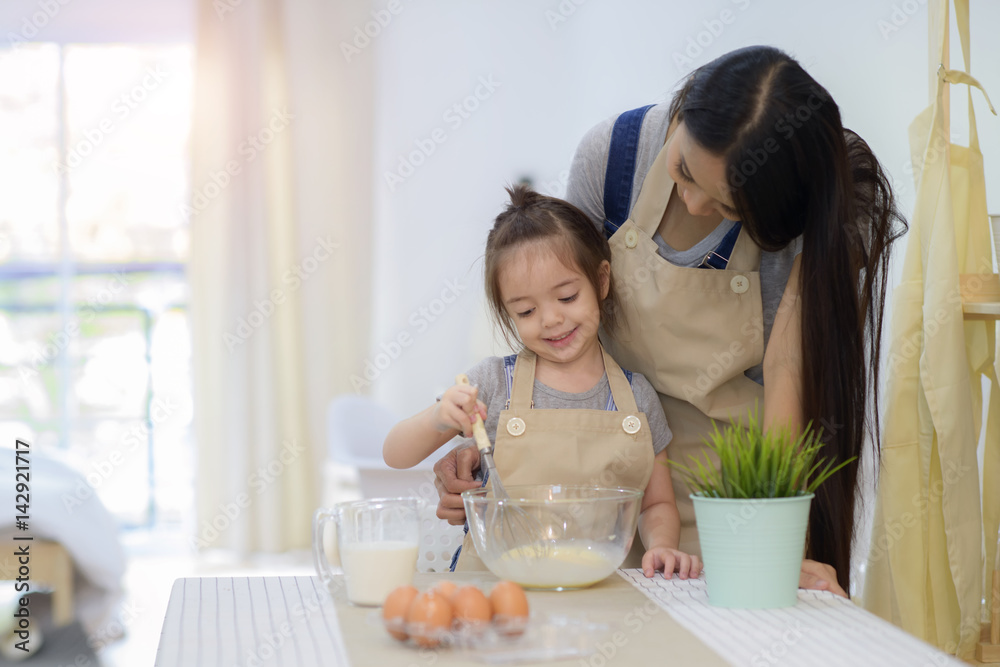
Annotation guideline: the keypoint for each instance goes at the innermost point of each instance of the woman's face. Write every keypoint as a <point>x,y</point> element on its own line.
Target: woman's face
<point>700,176</point>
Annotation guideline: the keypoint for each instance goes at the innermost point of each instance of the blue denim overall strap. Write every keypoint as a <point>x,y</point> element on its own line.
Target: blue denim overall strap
<point>621,168</point>
<point>719,258</point>
<point>508,373</point>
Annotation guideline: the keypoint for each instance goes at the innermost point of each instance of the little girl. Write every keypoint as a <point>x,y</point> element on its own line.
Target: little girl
<point>549,285</point>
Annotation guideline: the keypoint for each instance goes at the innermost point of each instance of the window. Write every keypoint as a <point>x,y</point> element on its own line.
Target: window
<point>94,334</point>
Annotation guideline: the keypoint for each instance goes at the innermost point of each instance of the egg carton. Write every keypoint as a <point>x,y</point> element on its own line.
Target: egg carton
<point>507,641</point>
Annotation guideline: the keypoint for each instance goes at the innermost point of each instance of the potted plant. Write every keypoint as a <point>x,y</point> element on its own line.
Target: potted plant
<point>753,509</point>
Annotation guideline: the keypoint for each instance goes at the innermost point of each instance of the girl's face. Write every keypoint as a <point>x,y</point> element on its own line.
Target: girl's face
<point>554,307</point>
<point>700,176</point>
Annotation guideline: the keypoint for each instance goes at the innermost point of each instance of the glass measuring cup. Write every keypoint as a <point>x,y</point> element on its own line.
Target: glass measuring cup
<point>374,542</point>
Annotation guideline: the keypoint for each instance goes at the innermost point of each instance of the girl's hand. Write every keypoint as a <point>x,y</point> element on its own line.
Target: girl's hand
<point>457,409</point>
<point>820,577</point>
<point>670,561</point>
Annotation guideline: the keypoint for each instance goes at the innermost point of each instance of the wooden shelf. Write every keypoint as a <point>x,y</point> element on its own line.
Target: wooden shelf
<point>980,296</point>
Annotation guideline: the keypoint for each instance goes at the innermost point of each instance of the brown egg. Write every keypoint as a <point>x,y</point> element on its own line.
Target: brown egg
<point>510,608</point>
<point>429,618</point>
<point>471,607</point>
<point>447,588</point>
<point>395,608</point>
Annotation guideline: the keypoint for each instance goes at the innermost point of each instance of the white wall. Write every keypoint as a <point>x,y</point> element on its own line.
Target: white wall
<point>556,79</point>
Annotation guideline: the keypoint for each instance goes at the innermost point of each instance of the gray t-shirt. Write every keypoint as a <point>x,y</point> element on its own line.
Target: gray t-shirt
<point>586,191</point>
<point>488,375</point>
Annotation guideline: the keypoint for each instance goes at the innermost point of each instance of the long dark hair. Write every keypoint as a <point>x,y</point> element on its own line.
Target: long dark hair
<point>793,169</point>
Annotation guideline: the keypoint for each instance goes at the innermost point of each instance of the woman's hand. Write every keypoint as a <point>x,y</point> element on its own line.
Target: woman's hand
<point>453,475</point>
<point>670,561</point>
<point>820,577</point>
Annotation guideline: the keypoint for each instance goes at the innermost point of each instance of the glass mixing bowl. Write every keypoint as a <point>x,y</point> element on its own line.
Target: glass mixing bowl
<point>553,537</point>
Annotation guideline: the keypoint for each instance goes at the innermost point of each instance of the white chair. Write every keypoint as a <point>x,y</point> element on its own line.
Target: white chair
<point>356,428</point>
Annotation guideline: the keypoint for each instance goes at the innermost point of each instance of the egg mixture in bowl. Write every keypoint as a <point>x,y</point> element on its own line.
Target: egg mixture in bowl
<point>553,537</point>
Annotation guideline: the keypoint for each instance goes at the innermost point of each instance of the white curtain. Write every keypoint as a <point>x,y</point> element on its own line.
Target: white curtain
<point>280,244</point>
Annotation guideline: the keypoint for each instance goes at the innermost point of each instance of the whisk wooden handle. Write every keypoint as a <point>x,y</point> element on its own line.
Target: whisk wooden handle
<point>478,428</point>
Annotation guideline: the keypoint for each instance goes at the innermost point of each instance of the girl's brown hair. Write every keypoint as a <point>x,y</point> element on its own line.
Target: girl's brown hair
<point>530,217</point>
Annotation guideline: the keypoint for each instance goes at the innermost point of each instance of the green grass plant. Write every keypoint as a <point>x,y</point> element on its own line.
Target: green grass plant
<point>759,464</point>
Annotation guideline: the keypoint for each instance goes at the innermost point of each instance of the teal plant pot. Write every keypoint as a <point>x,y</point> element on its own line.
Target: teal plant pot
<point>752,549</point>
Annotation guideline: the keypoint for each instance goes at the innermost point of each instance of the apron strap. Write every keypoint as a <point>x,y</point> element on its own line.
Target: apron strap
<point>611,406</point>
<point>621,387</point>
<point>745,255</point>
<point>508,372</point>
<point>621,168</point>
<point>736,251</point>
<point>523,387</point>
<point>655,193</point>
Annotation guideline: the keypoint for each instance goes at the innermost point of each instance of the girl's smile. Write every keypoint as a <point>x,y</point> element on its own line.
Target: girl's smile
<point>556,311</point>
<point>562,340</point>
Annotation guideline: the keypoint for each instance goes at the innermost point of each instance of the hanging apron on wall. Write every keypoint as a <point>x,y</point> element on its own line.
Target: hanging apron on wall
<point>925,563</point>
<point>585,447</point>
<point>691,331</point>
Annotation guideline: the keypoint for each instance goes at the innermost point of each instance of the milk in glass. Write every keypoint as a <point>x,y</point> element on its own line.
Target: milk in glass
<point>373,569</point>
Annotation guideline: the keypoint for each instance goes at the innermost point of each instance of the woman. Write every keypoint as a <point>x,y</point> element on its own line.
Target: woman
<point>750,235</point>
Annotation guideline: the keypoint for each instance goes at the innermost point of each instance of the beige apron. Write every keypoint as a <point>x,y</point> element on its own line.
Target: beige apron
<point>588,447</point>
<point>692,332</point>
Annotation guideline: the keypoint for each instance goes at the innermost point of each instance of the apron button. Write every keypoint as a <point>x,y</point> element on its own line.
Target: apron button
<point>631,238</point>
<point>740,284</point>
<point>631,424</point>
<point>515,426</point>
